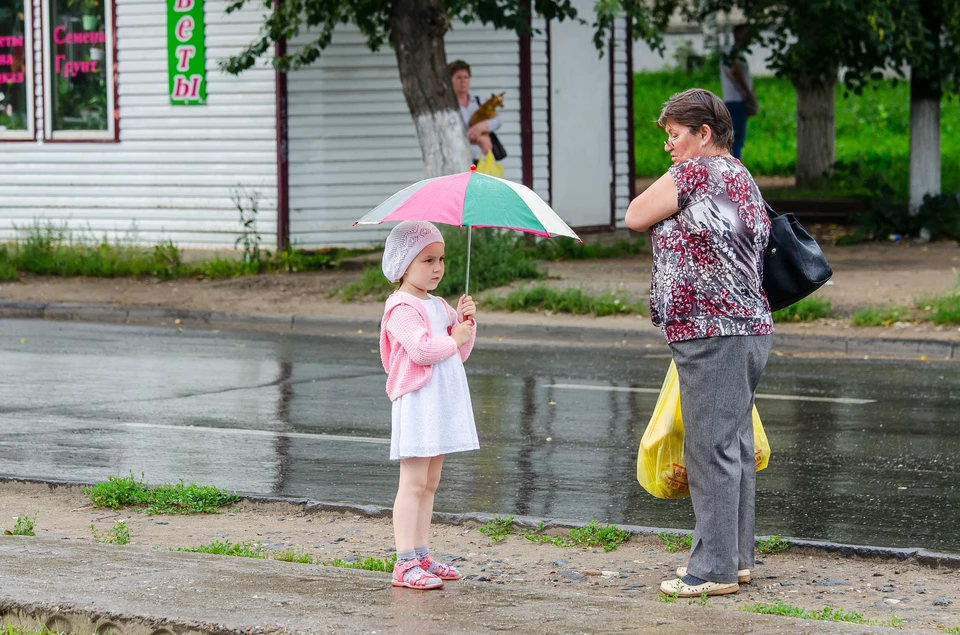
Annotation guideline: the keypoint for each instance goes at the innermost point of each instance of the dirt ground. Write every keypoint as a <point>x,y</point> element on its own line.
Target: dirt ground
<point>871,274</point>
<point>882,590</point>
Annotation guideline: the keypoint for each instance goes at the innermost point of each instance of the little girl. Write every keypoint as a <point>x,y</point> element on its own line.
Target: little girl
<point>423,345</point>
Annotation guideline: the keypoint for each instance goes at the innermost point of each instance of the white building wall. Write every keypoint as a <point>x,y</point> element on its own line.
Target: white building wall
<point>622,139</point>
<point>172,173</point>
<point>352,140</point>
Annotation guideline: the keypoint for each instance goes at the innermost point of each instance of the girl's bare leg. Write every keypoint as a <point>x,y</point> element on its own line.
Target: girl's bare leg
<point>425,511</point>
<point>414,480</point>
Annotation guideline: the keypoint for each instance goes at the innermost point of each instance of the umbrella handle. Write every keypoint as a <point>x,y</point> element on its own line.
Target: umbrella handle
<point>469,237</point>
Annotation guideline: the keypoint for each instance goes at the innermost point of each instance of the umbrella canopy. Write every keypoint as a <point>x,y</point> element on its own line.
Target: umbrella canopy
<point>472,199</point>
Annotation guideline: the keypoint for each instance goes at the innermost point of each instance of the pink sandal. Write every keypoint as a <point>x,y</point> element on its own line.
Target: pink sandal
<point>421,579</point>
<point>440,569</point>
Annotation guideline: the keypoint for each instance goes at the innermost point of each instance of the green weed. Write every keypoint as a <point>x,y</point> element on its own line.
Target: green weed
<point>497,258</point>
<point>941,309</point>
<point>828,614</point>
<point>498,528</point>
<point>370,284</point>
<point>23,526</point>
<point>772,544</point>
<point>700,601</point>
<point>806,310</point>
<point>226,548</point>
<point>955,630</point>
<point>119,534</point>
<point>668,598</point>
<point>676,542</point>
<point>565,249</point>
<point>883,316</point>
<point>367,564</point>
<point>289,555</point>
<point>17,630</point>
<point>590,535</point>
<point>125,491</point>
<point>570,300</point>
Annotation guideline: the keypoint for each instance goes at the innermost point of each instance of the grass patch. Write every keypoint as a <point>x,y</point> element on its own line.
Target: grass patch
<point>941,309</point>
<point>370,284</point>
<point>806,310</point>
<point>772,544</point>
<point>872,130</point>
<point>119,534</point>
<point>565,249</point>
<point>828,614</point>
<point>497,258</point>
<point>50,250</point>
<point>367,564</point>
<point>23,526</point>
<point>676,542</point>
<point>289,555</point>
<point>591,535</point>
<point>570,300</point>
<point>16,630</point>
<point>880,316</point>
<point>125,491</point>
<point>952,631</point>
<point>498,528</point>
<point>226,548</point>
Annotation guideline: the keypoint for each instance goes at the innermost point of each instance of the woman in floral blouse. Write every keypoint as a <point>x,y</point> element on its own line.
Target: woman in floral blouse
<point>709,231</point>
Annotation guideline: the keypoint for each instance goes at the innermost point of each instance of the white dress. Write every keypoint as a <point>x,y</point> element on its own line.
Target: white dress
<point>438,418</point>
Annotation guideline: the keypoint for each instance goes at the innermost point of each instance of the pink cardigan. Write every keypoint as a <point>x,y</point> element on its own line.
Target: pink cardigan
<point>407,350</point>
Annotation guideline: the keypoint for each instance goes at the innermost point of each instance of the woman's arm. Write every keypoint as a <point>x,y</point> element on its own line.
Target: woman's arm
<point>657,202</point>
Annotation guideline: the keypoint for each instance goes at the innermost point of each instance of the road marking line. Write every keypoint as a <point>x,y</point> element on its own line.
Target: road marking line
<point>262,433</point>
<point>656,391</point>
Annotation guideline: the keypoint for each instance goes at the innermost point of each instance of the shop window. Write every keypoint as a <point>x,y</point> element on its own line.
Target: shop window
<point>77,59</point>
<point>16,70</point>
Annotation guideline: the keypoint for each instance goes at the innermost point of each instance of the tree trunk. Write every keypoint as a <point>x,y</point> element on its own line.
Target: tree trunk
<point>925,93</point>
<point>417,29</point>
<point>816,128</point>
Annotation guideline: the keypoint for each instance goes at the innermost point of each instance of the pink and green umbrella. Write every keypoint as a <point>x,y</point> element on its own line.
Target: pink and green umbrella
<point>471,199</point>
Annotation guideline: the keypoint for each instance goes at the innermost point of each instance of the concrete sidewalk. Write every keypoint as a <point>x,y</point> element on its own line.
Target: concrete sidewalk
<point>93,588</point>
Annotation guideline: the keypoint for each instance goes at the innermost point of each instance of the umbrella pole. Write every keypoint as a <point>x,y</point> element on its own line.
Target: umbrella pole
<point>469,236</point>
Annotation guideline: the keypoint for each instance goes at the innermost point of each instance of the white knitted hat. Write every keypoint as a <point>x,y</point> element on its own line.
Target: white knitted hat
<point>403,244</point>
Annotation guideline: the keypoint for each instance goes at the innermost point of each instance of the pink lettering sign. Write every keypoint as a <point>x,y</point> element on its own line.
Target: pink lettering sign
<point>72,69</point>
<point>11,78</point>
<point>186,89</point>
<point>185,28</point>
<point>60,36</point>
<point>6,60</point>
<point>183,5</point>
<point>11,40</point>
<point>184,55</point>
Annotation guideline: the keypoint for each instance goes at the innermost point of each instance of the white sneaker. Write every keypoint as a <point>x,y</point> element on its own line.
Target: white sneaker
<point>743,575</point>
<point>677,588</point>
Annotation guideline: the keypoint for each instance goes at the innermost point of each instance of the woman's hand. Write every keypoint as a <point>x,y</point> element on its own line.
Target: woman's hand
<point>466,308</point>
<point>477,130</point>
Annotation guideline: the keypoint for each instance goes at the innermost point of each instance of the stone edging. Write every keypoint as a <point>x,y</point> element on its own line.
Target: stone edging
<point>511,333</point>
<point>922,556</point>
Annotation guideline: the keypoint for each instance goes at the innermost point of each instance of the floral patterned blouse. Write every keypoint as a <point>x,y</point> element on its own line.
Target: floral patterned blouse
<point>708,257</point>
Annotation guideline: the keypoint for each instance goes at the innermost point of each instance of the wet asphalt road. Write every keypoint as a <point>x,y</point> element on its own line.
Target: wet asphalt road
<point>864,451</point>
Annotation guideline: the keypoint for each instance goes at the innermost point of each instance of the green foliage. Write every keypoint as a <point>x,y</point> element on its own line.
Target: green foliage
<point>125,491</point>
<point>676,542</point>
<point>226,548</point>
<point>498,528</point>
<point>808,309</point>
<point>8,266</point>
<point>23,526</point>
<point>828,614</point>
<point>772,544</point>
<point>17,630</point>
<point>952,631</point>
<point>668,599</point>
<point>248,206</point>
<point>941,309</point>
<point>872,134</point>
<point>371,283</point>
<point>289,555</point>
<point>119,534</point>
<point>590,535</point>
<point>883,316</point>
<point>497,258</point>
<point>570,300</point>
<point>566,249</point>
<point>367,564</point>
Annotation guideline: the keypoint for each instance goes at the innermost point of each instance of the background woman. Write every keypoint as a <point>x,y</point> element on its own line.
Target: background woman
<point>480,143</point>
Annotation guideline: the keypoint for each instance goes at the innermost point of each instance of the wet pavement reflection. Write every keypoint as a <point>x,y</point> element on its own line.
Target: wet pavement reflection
<point>864,451</point>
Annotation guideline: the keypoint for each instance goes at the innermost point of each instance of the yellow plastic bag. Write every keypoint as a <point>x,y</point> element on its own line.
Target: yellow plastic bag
<point>660,467</point>
<point>489,165</point>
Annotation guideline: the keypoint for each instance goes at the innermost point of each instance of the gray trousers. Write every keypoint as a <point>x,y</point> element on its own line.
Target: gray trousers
<point>718,379</point>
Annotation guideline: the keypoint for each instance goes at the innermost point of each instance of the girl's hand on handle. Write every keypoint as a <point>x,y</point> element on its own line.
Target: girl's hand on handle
<point>466,307</point>
<point>461,333</point>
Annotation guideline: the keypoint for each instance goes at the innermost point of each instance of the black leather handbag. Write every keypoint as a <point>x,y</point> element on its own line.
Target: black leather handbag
<point>499,152</point>
<point>793,265</point>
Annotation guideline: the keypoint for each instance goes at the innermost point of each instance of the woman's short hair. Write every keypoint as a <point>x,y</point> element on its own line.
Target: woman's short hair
<point>697,107</point>
<point>458,65</point>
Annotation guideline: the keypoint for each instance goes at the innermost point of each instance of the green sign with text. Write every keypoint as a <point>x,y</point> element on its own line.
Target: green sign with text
<point>186,59</point>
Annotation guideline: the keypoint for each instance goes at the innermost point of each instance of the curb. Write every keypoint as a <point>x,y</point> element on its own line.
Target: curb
<point>512,333</point>
<point>921,556</point>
